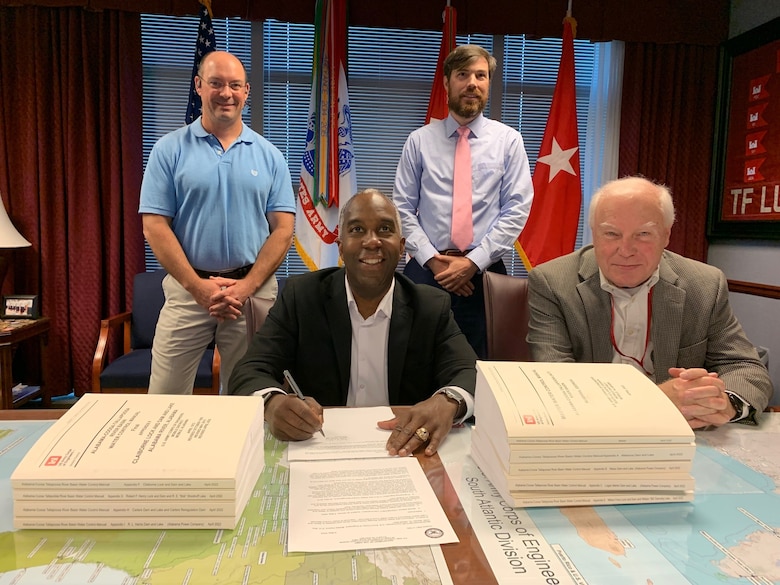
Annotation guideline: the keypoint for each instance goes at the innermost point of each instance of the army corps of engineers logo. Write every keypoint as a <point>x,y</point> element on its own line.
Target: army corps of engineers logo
<point>434,532</point>
<point>315,143</point>
<point>313,193</point>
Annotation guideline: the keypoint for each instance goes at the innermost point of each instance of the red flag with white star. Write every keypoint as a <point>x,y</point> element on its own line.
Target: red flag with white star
<point>551,229</point>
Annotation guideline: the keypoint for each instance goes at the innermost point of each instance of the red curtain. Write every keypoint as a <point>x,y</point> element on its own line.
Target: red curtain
<point>699,22</point>
<point>70,170</point>
<point>666,130</point>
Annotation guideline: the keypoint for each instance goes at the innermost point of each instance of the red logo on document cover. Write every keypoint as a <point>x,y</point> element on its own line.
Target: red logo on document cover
<point>54,460</point>
<point>529,419</point>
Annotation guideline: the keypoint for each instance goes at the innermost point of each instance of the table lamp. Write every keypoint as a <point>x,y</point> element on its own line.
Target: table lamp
<point>9,238</point>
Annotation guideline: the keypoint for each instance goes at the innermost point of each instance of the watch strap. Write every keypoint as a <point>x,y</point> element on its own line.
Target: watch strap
<point>741,406</point>
<point>458,399</point>
<point>268,392</point>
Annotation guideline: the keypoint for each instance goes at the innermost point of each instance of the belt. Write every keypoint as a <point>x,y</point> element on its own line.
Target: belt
<point>454,252</point>
<point>235,273</point>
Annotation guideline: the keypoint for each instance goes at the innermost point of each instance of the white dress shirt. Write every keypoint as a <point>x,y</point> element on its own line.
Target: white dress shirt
<point>368,362</point>
<point>368,358</point>
<point>630,311</point>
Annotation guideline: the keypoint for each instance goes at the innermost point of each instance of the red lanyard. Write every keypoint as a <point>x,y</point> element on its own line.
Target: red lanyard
<point>640,361</point>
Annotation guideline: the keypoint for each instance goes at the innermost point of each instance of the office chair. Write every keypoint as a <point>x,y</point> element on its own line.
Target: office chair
<point>130,372</point>
<point>256,310</point>
<point>506,313</point>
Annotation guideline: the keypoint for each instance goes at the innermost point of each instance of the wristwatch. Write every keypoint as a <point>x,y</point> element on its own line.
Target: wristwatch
<point>741,407</point>
<point>268,392</point>
<point>457,399</point>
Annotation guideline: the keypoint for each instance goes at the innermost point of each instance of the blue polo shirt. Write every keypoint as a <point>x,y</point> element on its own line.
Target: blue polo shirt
<point>218,199</point>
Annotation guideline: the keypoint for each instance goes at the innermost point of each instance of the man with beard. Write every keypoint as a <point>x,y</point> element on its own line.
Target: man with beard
<point>448,253</point>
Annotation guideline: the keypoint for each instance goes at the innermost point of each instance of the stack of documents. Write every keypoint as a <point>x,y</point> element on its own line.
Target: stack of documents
<point>143,461</point>
<point>566,434</point>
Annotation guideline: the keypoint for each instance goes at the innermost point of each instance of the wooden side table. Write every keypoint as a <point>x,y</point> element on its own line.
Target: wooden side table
<point>12,333</point>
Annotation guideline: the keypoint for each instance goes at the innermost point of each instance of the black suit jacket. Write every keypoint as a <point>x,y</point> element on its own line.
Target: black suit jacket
<point>308,332</point>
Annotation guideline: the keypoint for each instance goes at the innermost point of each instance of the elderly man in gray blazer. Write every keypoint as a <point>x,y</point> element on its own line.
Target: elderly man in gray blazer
<point>625,299</point>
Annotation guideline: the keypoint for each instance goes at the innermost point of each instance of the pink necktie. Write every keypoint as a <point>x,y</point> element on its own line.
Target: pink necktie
<point>462,223</point>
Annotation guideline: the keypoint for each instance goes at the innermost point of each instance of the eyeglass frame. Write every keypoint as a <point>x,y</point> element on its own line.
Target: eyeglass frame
<point>218,85</point>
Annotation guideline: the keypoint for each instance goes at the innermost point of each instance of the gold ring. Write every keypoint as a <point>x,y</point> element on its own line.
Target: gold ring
<point>422,434</point>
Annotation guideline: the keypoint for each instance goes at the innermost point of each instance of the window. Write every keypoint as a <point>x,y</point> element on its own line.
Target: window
<point>390,75</point>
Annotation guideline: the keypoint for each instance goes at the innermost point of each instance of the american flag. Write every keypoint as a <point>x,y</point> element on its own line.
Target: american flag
<point>206,43</point>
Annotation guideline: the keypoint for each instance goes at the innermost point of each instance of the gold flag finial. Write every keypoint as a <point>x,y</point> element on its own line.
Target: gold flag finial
<point>207,4</point>
<point>570,19</point>
<point>573,22</point>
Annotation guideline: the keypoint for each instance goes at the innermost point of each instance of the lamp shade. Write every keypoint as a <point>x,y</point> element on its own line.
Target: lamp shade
<point>9,236</point>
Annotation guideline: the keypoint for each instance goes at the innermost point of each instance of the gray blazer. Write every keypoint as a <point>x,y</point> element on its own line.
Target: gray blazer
<point>692,323</point>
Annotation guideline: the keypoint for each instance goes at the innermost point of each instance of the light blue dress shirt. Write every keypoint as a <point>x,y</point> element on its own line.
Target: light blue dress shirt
<point>501,186</point>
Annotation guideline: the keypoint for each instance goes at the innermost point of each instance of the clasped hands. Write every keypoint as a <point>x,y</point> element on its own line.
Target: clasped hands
<point>291,419</point>
<point>453,273</point>
<point>700,396</point>
<point>223,297</point>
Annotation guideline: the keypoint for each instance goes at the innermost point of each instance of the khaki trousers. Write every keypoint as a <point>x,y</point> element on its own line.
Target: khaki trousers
<point>184,331</point>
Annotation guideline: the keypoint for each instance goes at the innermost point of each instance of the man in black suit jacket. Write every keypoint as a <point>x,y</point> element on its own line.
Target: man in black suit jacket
<point>415,341</point>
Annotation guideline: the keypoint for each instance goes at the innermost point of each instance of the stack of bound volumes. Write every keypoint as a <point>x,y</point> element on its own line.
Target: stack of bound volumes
<point>143,461</point>
<point>566,434</point>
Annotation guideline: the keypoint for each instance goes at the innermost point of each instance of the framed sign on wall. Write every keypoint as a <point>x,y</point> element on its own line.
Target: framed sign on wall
<point>745,196</point>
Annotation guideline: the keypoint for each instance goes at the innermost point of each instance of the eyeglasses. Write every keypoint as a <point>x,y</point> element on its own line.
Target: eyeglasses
<point>217,85</point>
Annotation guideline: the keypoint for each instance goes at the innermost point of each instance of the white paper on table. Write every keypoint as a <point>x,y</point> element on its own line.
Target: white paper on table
<point>360,504</point>
<point>350,433</point>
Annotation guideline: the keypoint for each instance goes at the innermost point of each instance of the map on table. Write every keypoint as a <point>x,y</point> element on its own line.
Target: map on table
<point>729,533</point>
<point>252,553</point>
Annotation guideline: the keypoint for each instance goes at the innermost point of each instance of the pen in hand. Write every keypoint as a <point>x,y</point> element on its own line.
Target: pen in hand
<point>298,393</point>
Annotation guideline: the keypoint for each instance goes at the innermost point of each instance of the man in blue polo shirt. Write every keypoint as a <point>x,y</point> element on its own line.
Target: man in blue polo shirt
<point>218,212</point>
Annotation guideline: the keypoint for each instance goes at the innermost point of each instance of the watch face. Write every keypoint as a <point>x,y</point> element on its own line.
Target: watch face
<point>736,403</point>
